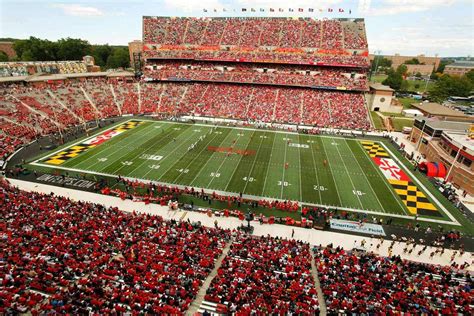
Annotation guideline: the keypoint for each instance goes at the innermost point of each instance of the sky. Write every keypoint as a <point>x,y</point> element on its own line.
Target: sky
<point>408,27</point>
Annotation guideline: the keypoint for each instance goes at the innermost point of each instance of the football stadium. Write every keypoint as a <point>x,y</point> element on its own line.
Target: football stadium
<point>235,168</point>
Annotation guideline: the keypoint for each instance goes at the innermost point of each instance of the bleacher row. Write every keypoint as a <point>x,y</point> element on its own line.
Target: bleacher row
<point>255,32</point>
<point>335,78</point>
<point>14,69</point>
<point>281,40</point>
<point>61,256</point>
<point>27,112</point>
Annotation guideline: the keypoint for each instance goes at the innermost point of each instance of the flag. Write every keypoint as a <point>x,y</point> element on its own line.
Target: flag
<point>329,10</point>
<point>320,10</point>
<point>244,10</point>
<point>272,10</point>
<point>300,10</point>
<point>262,10</point>
<point>341,10</point>
<point>350,11</point>
<point>310,10</point>
<point>281,10</point>
<point>253,10</point>
<point>224,10</point>
<point>205,10</point>
<point>290,10</point>
<point>215,10</point>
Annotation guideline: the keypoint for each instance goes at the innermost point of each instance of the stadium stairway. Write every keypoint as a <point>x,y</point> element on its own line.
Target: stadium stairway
<point>199,305</point>
<point>314,273</point>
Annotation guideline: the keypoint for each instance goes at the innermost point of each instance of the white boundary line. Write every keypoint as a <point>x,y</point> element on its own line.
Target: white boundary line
<point>415,179</point>
<point>80,141</point>
<point>453,220</point>
<point>253,197</point>
<point>379,172</point>
<point>365,176</point>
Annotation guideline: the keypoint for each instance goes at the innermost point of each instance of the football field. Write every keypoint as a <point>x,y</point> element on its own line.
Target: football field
<point>352,174</point>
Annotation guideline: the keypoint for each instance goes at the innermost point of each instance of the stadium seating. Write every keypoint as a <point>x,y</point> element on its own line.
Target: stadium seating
<point>364,283</point>
<point>71,257</point>
<point>78,258</point>
<point>282,40</point>
<point>264,275</point>
<point>350,79</point>
<point>29,112</point>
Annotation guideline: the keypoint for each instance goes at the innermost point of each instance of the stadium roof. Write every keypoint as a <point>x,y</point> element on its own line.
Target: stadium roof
<point>436,109</point>
<point>451,126</point>
<point>379,86</point>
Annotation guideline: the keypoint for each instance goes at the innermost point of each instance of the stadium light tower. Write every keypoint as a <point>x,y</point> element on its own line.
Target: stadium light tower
<point>376,59</point>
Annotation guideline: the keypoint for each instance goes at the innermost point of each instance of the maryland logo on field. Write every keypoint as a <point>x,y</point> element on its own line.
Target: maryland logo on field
<point>415,200</point>
<point>74,151</point>
<point>374,149</point>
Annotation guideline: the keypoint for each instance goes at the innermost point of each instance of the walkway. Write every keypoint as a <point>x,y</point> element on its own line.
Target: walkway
<point>196,304</point>
<point>312,236</point>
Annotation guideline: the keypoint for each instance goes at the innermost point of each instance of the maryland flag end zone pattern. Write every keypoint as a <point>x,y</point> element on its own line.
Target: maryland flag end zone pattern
<point>414,199</point>
<point>73,151</point>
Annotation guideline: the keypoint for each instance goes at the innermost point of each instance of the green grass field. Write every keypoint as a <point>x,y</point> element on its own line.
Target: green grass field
<point>315,170</point>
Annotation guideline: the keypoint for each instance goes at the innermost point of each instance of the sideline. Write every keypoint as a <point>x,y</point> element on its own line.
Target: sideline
<point>312,236</point>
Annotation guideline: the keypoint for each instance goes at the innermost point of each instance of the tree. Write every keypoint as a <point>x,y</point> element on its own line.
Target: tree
<point>380,62</point>
<point>394,79</point>
<point>413,61</point>
<point>3,56</point>
<point>72,49</point>
<point>101,53</point>
<point>402,70</point>
<point>470,76</point>
<point>447,86</point>
<point>443,64</point>
<point>118,58</point>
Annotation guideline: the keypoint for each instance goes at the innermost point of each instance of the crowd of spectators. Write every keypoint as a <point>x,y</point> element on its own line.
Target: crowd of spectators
<point>283,40</point>
<point>78,258</point>
<point>363,283</point>
<point>255,32</point>
<point>28,111</point>
<point>265,275</point>
<point>331,77</point>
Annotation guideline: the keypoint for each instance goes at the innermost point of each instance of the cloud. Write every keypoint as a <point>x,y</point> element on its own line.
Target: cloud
<point>393,7</point>
<point>79,10</point>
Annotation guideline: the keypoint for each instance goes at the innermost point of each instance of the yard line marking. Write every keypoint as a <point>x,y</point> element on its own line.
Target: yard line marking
<point>283,177</point>
<point>238,163</point>
<point>383,178</point>
<point>252,197</point>
<point>350,178</point>
<point>152,148</point>
<point>253,165</point>
<point>192,160</point>
<point>104,152</point>
<point>299,168</point>
<point>210,158</point>
<point>223,160</point>
<point>316,169</point>
<point>366,179</point>
<point>331,171</point>
<point>268,168</point>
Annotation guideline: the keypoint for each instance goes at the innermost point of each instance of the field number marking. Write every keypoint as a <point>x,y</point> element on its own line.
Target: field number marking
<point>127,163</point>
<point>249,179</point>
<point>154,167</point>
<point>358,192</point>
<point>215,174</point>
<point>102,159</point>
<point>182,170</point>
<point>319,188</point>
<point>283,183</point>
